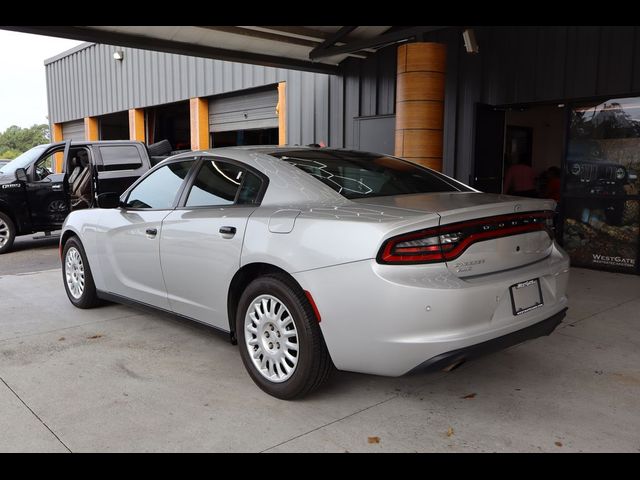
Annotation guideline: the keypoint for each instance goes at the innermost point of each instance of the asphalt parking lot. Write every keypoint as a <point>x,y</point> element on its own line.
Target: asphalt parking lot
<point>121,379</point>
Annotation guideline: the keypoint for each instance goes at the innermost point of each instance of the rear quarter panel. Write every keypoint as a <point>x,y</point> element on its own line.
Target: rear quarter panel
<point>323,236</point>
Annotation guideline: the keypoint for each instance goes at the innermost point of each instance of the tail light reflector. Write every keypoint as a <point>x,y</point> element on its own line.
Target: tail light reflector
<point>447,242</point>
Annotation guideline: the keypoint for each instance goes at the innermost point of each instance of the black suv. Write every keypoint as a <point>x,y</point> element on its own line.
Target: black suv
<point>35,199</point>
<point>600,182</point>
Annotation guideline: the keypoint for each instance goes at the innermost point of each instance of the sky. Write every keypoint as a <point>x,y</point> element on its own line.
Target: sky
<point>23,86</point>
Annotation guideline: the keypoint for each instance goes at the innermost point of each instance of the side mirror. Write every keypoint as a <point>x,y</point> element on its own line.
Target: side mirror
<point>21,175</point>
<point>109,200</point>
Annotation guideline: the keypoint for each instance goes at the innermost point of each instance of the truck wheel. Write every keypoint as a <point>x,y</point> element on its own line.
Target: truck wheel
<point>76,274</point>
<point>7,233</point>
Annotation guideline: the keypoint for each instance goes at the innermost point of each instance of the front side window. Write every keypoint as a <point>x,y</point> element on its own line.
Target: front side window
<point>159,189</point>
<point>23,161</point>
<point>45,167</point>
<point>364,175</point>
<point>217,183</point>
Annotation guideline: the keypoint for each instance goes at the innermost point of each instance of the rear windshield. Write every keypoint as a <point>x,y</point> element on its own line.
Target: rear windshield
<point>362,175</point>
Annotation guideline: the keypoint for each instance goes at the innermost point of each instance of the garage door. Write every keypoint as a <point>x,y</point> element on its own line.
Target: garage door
<point>73,130</point>
<point>244,111</point>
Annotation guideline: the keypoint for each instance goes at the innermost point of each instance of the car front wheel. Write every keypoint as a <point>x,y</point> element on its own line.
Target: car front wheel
<point>7,233</point>
<point>77,277</point>
<point>280,340</point>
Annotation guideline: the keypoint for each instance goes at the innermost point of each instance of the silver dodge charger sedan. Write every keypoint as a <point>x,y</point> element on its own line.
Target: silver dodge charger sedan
<point>315,258</point>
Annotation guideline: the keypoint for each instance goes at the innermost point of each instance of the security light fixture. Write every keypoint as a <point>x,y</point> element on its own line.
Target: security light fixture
<point>470,43</point>
<point>118,55</point>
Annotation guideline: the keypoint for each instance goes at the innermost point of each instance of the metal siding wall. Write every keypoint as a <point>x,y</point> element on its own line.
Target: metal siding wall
<point>307,113</point>
<point>531,64</point>
<point>321,108</point>
<point>454,54</point>
<point>525,64</point>
<point>470,93</point>
<point>294,108</point>
<point>90,83</point>
<point>582,61</point>
<point>351,100</point>
<point>550,58</point>
<point>386,71</point>
<point>336,111</point>
<point>369,87</point>
<point>615,69</point>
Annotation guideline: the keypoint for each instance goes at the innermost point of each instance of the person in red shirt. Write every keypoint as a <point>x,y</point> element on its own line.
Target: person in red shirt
<point>520,180</point>
<point>553,184</point>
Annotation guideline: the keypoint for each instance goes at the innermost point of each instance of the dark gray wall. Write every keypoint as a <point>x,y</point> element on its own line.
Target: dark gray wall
<point>530,64</point>
<point>369,89</point>
<point>89,82</point>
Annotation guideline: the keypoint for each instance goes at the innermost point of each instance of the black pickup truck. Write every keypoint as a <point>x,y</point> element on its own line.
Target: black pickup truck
<point>35,199</point>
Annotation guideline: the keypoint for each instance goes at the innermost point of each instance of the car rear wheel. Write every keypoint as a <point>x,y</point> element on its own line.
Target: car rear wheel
<point>76,273</point>
<point>280,340</point>
<point>7,233</point>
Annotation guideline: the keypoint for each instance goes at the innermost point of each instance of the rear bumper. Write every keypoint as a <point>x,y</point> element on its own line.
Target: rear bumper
<point>388,319</point>
<point>456,357</point>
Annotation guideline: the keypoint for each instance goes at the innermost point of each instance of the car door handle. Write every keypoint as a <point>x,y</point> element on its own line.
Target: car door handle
<point>56,187</point>
<point>227,232</point>
<point>152,232</point>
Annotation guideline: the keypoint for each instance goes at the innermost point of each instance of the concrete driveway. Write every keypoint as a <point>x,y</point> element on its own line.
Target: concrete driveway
<point>120,379</point>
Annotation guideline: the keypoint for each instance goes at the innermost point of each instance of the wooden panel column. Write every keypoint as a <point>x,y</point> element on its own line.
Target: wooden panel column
<point>199,117</point>
<point>420,87</point>
<point>91,129</point>
<point>56,136</point>
<point>136,124</point>
<point>282,113</point>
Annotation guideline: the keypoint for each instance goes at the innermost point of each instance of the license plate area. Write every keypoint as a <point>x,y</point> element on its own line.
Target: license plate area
<point>526,296</point>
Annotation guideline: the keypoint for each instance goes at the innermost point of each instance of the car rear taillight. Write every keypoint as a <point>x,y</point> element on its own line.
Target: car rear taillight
<point>447,242</point>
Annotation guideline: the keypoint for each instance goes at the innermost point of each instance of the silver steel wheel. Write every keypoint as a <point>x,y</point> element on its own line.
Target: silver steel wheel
<point>74,272</point>
<point>4,233</point>
<point>271,338</point>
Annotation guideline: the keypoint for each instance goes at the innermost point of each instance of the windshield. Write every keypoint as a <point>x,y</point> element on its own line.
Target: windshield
<point>23,160</point>
<point>363,175</point>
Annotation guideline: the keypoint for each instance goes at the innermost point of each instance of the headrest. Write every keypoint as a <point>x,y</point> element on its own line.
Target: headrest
<point>83,158</point>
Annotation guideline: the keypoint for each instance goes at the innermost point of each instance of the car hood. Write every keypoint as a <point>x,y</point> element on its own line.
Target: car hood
<point>4,179</point>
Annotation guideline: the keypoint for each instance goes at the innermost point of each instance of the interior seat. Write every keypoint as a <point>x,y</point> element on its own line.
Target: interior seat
<point>80,185</point>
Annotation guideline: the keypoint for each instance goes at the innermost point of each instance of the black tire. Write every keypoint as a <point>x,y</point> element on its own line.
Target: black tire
<point>314,363</point>
<point>10,229</point>
<point>89,297</point>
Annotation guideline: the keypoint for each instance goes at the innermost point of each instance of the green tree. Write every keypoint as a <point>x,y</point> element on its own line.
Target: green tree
<point>9,153</point>
<point>22,139</point>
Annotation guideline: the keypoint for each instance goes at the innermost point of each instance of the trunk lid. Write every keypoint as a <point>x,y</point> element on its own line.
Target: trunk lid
<point>485,256</point>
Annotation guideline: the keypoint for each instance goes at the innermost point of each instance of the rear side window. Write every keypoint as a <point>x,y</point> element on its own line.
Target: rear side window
<point>363,175</point>
<point>120,157</point>
<point>250,190</point>
<point>158,190</point>
<point>217,183</point>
